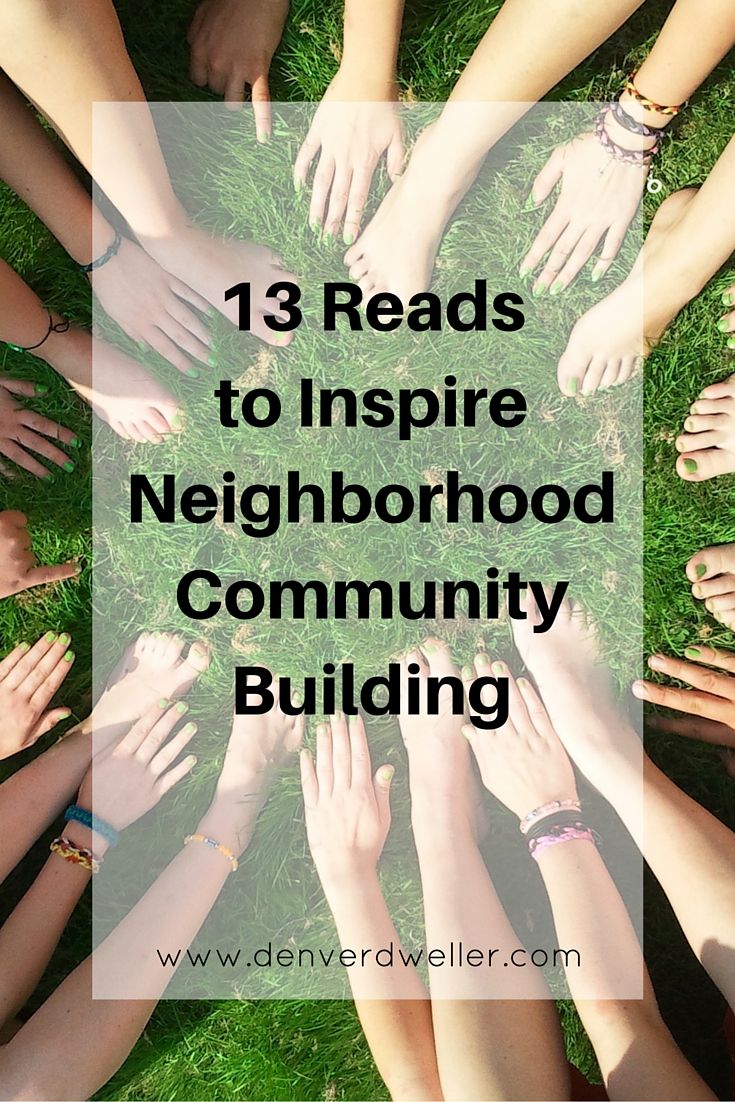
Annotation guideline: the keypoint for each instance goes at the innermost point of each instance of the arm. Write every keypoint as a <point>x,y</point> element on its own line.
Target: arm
<point>347,821</point>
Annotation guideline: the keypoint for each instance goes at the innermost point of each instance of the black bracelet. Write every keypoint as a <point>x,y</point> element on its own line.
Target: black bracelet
<point>633,126</point>
<point>552,823</point>
<point>53,327</point>
<point>108,254</point>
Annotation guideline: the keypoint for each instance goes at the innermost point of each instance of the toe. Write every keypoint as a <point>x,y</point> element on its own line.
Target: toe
<point>697,441</point>
<point>439,658</point>
<point>611,374</point>
<point>722,603</point>
<point>702,465</point>
<point>199,656</point>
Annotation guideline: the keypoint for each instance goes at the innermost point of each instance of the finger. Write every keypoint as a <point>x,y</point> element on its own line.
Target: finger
<point>338,196</point>
<point>12,659</point>
<point>50,575</point>
<point>537,713</point>
<point>703,730</point>
<point>690,701</point>
<point>183,291</point>
<point>23,459</point>
<point>713,656</point>
<point>610,249</point>
<point>341,763</point>
<point>139,730</point>
<point>49,428</point>
<point>699,677</point>
<point>550,232</point>
<point>170,752</point>
<point>324,770</point>
<point>39,444</point>
<point>396,155</point>
<point>195,24</point>
<point>29,659</point>
<point>517,711</point>
<point>320,190</point>
<point>49,673</point>
<point>359,752</point>
<point>304,158</point>
<point>47,722</point>
<point>381,787</point>
<point>548,177</point>
<point>19,386</point>
<point>154,740</point>
<point>235,87</point>
<point>578,258</point>
<point>261,97</point>
<point>309,782</point>
<point>168,780</point>
<point>359,191</point>
<point>198,68</point>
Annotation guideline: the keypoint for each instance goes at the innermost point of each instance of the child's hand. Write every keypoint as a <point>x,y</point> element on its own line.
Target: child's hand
<point>347,809</point>
<point>29,678</point>
<point>131,776</point>
<point>232,44</point>
<point>18,566</point>
<point>352,128</point>
<point>23,432</point>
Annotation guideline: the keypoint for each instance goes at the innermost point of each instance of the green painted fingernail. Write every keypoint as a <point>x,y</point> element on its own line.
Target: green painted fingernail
<point>731,342</point>
<point>212,361</point>
<point>525,274</point>
<point>262,137</point>
<point>723,325</point>
<point>75,442</point>
<point>467,731</point>
<point>64,640</point>
<point>163,703</point>
<point>539,289</point>
<point>556,288</point>
<point>48,477</point>
<point>596,277</point>
<point>467,673</point>
<point>701,569</point>
<point>386,773</point>
<point>69,466</point>
<point>41,389</point>
<point>497,667</point>
<point>24,647</point>
<point>50,636</point>
<point>64,715</point>
<point>69,656</point>
<point>727,298</point>
<point>690,466</point>
<point>314,227</point>
<point>692,652</point>
<point>192,373</point>
<point>298,186</point>
<point>181,707</point>
<point>189,729</point>
<point>348,238</point>
<point>529,205</point>
<point>297,699</point>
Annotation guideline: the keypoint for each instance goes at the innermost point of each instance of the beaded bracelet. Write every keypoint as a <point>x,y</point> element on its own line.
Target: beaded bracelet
<point>76,855</point>
<point>545,810</point>
<point>108,254</point>
<point>210,843</point>
<point>76,814</point>
<point>642,157</point>
<point>577,833</point>
<point>53,327</point>
<point>649,104</point>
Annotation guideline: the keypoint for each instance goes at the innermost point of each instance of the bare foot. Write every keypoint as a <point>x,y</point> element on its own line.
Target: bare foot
<point>522,763</point>
<point>712,574</point>
<point>397,249</point>
<point>440,767</point>
<point>707,446</point>
<point>610,341</point>
<point>153,668</point>
<point>577,689</point>
<point>258,746</point>
<point>119,390</point>
<point>726,324</point>
<point>211,265</point>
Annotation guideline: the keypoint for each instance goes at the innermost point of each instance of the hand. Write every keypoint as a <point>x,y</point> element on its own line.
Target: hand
<point>132,775</point>
<point>23,432</point>
<point>598,199</point>
<point>18,569</point>
<point>352,128</point>
<point>347,809</point>
<point>152,307</point>
<point>29,678</point>
<point>232,44</point>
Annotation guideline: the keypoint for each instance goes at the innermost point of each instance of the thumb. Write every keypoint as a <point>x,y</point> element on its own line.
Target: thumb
<point>261,97</point>
<point>547,178</point>
<point>395,156</point>
<point>381,786</point>
<point>46,723</point>
<point>45,575</point>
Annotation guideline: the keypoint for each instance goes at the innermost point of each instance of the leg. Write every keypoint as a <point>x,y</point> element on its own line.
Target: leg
<point>491,1041</point>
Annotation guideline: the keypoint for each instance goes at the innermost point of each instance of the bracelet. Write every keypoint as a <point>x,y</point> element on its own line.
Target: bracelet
<point>108,254</point>
<point>552,824</point>
<point>649,104</point>
<point>547,809</point>
<point>642,157</point>
<point>76,814</point>
<point>577,833</point>
<point>210,843</point>
<point>76,855</point>
<point>632,125</point>
<point>53,327</point>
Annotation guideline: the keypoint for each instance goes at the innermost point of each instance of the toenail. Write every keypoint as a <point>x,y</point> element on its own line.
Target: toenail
<point>64,640</point>
<point>727,298</point>
<point>572,386</point>
<point>163,703</point>
<point>690,466</point>
<point>50,636</point>
<point>701,569</point>
<point>692,652</point>
<point>731,342</point>
<point>697,590</point>
<point>483,660</point>
<point>181,707</point>
<point>467,673</point>
<point>69,656</point>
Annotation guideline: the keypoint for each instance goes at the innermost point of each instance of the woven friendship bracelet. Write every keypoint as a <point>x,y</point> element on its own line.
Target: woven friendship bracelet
<point>642,157</point>
<point>211,843</point>
<point>76,814</point>
<point>577,833</point>
<point>108,254</point>
<point>545,810</point>
<point>649,104</point>
<point>75,855</point>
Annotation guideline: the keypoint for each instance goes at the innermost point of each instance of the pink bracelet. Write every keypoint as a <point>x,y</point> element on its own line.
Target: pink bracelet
<point>547,809</point>
<point>569,834</point>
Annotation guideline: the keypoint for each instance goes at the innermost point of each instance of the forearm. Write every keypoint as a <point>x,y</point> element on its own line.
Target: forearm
<point>392,1003</point>
<point>372,34</point>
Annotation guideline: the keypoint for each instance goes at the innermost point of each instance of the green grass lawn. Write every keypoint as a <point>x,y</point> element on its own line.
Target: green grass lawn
<point>310,1050</point>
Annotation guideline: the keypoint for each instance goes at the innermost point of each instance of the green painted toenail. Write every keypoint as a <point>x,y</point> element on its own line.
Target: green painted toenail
<point>69,466</point>
<point>692,652</point>
<point>701,570</point>
<point>64,640</point>
<point>192,373</point>
<point>731,342</point>
<point>181,707</point>
<point>723,325</point>
<point>697,590</point>
<point>727,298</point>
<point>41,389</point>
<point>50,636</point>
<point>69,656</point>
<point>572,386</point>
<point>690,466</point>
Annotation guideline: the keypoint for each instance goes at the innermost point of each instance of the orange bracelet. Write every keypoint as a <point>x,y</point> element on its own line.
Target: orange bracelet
<point>75,855</point>
<point>212,844</point>
<point>649,104</point>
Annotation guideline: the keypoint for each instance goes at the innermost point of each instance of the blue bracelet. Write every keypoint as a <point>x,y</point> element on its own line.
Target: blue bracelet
<point>76,814</point>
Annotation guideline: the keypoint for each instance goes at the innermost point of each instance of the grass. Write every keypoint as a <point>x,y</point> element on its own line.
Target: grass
<point>313,1050</point>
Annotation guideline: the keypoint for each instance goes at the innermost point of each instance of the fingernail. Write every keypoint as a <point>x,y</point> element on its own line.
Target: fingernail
<point>596,277</point>
<point>692,652</point>
<point>690,466</point>
<point>572,386</point>
<point>539,289</point>
<point>193,373</point>
<point>639,689</point>
<point>64,640</point>
<point>386,773</point>
<point>467,673</point>
<point>212,361</point>
<point>727,298</point>
<point>322,730</point>
<point>262,137</point>
<point>723,325</point>
<point>482,660</point>
<point>498,667</point>
<point>525,274</point>
<point>298,186</point>
<point>163,703</point>
<point>65,714</point>
<point>69,656</point>
<point>69,466</point>
<point>24,647</point>
<point>348,238</point>
<point>41,389</point>
<point>529,205</point>
<point>48,477</point>
<point>731,342</point>
<point>181,707</point>
<point>522,683</point>
<point>50,636</point>
<point>75,442</point>
<point>701,568</point>
<point>467,730</point>
<point>189,729</point>
<point>556,288</point>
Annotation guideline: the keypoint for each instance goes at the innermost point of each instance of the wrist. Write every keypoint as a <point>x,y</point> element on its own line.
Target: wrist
<point>348,879</point>
<point>365,79</point>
